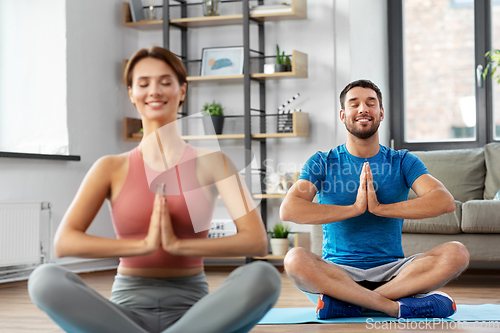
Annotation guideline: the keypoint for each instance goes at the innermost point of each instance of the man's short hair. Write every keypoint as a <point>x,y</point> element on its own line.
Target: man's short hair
<point>362,84</point>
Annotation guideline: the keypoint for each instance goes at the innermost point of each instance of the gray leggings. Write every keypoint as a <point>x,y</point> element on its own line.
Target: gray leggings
<point>157,305</point>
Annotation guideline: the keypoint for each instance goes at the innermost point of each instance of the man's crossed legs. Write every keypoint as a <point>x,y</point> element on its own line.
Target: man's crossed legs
<point>425,273</point>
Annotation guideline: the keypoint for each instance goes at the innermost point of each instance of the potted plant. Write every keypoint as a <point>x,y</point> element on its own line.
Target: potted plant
<point>280,61</point>
<point>213,117</point>
<point>279,239</point>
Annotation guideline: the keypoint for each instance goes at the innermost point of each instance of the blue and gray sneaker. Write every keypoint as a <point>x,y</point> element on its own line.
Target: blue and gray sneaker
<point>433,305</point>
<point>328,307</point>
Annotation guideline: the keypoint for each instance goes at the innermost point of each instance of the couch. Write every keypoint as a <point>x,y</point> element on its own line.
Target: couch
<point>473,178</point>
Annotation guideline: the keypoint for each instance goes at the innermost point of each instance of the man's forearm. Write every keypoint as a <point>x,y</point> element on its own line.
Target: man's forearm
<point>301,211</point>
<point>434,203</point>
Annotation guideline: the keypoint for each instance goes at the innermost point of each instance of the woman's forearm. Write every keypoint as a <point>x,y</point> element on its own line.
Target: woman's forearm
<point>79,244</point>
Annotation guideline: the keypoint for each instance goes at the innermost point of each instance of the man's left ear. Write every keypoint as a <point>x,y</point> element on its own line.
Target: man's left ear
<point>382,113</point>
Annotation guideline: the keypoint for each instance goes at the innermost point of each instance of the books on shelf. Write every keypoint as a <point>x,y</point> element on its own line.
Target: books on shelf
<point>271,9</point>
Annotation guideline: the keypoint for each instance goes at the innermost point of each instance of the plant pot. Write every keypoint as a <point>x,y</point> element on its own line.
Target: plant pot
<point>213,123</point>
<point>210,7</point>
<point>279,246</point>
<point>279,68</point>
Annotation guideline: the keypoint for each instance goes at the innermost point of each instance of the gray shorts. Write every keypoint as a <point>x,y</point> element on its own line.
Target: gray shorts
<point>370,278</point>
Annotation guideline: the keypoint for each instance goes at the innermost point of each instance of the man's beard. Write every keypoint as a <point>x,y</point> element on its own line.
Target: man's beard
<point>362,134</point>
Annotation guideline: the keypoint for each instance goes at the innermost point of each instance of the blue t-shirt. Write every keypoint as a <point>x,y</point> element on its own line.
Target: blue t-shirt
<point>367,240</point>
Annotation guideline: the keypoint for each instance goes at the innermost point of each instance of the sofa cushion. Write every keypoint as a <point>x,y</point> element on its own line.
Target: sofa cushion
<point>462,171</point>
<point>443,224</point>
<point>492,159</point>
<point>481,247</point>
<point>481,216</point>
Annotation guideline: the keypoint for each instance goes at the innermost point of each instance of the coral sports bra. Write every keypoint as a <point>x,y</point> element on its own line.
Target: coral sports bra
<point>132,209</point>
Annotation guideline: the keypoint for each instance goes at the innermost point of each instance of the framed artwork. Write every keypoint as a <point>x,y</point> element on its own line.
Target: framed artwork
<point>222,61</point>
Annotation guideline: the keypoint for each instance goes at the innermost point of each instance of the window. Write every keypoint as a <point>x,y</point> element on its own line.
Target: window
<point>436,54</point>
<point>33,77</point>
<point>495,22</point>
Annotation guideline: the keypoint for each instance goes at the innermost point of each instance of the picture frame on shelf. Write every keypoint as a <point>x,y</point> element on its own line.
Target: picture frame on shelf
<point>222,61</point>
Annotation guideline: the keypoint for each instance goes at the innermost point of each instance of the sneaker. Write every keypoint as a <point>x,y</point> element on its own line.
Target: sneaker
<point>328,307</point>
<point>433,305</point>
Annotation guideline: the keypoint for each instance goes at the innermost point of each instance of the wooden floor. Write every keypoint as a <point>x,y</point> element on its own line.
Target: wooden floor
<point>19,315</point>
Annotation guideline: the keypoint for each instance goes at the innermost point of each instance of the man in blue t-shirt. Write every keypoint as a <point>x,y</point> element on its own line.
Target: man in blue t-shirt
<point>362,190</point>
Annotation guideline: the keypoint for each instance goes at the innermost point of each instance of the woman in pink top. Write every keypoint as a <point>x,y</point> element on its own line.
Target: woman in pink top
<point>161,238</point>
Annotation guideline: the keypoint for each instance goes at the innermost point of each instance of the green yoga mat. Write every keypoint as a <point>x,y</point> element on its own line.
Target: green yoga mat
<point>466,313</point>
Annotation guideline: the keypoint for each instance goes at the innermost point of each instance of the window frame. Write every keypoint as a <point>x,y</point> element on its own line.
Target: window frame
<point>484,95</point>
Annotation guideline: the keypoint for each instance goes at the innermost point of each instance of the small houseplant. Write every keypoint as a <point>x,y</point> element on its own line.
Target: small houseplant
<point>279,239</point>
<point>213,117</point>
<point>282,61</point>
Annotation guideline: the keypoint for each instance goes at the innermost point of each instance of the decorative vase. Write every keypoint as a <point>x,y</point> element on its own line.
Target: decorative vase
<point>210,7</point>
<point>211,123</point>
<point>279,246</point>
<point>151,13</point>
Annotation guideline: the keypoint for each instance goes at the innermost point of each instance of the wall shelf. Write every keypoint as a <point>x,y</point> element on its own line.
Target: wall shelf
<point>142,25</point>
<point>298,12</point>
<point>299,71</point>
<point>131,126</point>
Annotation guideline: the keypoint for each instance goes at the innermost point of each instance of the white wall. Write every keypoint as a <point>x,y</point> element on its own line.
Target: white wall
<point>370,51</point>
<point>97,99</point>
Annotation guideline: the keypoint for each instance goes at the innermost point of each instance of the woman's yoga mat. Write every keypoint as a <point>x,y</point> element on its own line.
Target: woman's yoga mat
<point>276,316</point>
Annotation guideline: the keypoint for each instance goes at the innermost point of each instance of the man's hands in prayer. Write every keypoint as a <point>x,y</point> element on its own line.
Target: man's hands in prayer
<point>366,198</point>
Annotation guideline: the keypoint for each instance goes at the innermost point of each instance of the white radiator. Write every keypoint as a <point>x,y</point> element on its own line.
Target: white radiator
<point>20,242</point>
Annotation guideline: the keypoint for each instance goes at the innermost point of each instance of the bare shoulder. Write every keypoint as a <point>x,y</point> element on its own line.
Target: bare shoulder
<point>108,170</point>
<point>110,164</point>
<point>108,174</point>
